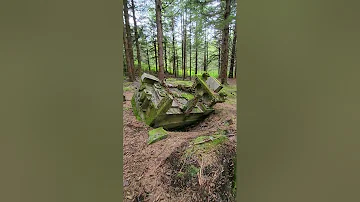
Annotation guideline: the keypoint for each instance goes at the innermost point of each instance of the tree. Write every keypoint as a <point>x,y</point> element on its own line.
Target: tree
<point>233,55</point>
<point>225,45</point>
<point>136,37</point>
<point>129,50</point>
<point>155,56</point>
<point>196,47</point>
<point>148,57</point>
<point>158,7</point>
<point>184,42</point>
<point>173,44</point>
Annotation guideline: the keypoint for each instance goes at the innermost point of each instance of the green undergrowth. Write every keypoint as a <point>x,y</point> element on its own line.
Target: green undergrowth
<point>178,81</point>
<point>212,71</point>
<point>230,90</point>
<point>127,86</point>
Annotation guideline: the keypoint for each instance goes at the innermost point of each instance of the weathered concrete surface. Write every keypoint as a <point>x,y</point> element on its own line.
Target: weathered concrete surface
<point>214,84</point>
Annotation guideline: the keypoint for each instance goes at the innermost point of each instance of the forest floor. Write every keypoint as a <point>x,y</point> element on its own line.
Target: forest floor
<point>144,166</point>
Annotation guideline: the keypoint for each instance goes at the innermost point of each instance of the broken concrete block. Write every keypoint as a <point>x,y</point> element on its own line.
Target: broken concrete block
<point>156,135</point>
<point>214,84</point>
<point>158,105</point>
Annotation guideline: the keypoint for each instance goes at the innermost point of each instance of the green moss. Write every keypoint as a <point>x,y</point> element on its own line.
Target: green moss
<point>204,85</point>
<point>156,135</point>
<point>230,90</point>
<point>165,104</point>
<point>190,171</point>
<point>127,88</point>
<point>180,174</point>
<point>193,170</point>
<point>151,114</point>
<point>187,96</point>
<point>134,108</point>
<point>174,81</point>
<point>203,144</point>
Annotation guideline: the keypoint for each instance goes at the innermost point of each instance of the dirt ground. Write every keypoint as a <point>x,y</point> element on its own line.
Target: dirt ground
<point>143,163</point>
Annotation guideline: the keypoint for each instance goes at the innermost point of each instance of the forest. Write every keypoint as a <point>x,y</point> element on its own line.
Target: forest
<point>180,38</point>
<point>179,134</point>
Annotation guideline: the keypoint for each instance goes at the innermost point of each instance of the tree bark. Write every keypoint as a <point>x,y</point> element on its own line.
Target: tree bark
<point>148,57</point>
<point>158,6</point>
<point>182,42</point>
<point>196,48</point>
<point>124,52</point>
<point>136,38</point>
<point>156,58</point>
<point>235,65</point>
<point>190,46</point>
<point>233,52</point>
<point>219,52</point>
<point>177,64</point>
<point>205,53</point>
<point>173,44</point>
<point>225,45</point>
<point>184,73</point>
<point>166,69</point>
<point>129,50</point>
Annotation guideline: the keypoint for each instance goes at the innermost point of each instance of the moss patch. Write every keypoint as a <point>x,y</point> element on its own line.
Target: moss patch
<point>156,135</point>
<point>127,88</point>
<point>187,96</point>
<point>174,81</point>
<point>230,90</point>
<point>203,144</point>
<point>135,110</point>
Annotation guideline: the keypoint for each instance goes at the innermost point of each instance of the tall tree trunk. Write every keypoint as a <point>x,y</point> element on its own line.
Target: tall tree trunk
<point>235,65</point>
<point>177,63</point>
<point>225,45</point>
<point>166,69</point>
<point>205,51</point>
<point>129,50</point>
<point>173,44</point>
<point>158,7</point>
<point>190,56</point>
<point>148,57</point>
<point>124,52</point>
<point>182,42</point>
<point>219,52</point>
<point>233,52</point>
<point>196,60</point>
<point>156,58</point>
<point>207,54</point>
<point>190,46</point>
<point>136,38</point>
<point>185,24</point>
<point>196,47</point>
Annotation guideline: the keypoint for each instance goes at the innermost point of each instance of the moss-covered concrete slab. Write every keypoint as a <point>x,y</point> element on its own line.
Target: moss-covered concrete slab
<point>159,105</point>
<point>156,135</point>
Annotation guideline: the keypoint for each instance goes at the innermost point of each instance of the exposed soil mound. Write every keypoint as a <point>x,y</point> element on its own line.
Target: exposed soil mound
<point>202,170</point>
